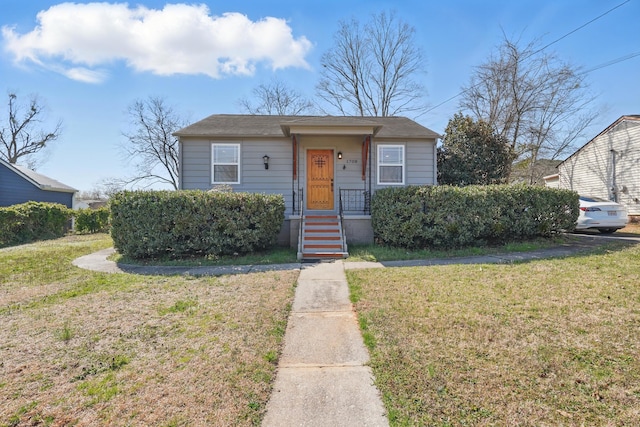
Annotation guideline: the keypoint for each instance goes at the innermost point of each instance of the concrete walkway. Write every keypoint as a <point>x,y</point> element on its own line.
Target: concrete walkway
<point>98,261</point>
<point>322,379</point>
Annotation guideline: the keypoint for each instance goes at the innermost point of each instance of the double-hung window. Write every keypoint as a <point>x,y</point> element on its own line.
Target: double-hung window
<point>391,164</point>
<point>225,160</point>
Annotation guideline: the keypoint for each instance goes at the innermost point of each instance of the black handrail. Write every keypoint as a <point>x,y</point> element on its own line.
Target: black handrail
<point>355,201</point>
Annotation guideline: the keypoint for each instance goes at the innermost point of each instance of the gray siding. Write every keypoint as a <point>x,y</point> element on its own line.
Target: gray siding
<point>254,178</point>
<point>590,171</point>
<point>196,165</point>
<point>420,164</point>
<point>14,189</point>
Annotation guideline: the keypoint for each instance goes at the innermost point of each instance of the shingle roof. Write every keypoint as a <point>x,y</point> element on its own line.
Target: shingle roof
<point>40,181</point>
<point>229,125</point>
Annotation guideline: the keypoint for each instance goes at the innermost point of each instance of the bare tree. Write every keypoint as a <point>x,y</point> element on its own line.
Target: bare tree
<point>372,69</point>
<point>103,189</point>
<point>277,98</point>
<point>23,138</point>
<point>151,145</point>
<point>533,99</point>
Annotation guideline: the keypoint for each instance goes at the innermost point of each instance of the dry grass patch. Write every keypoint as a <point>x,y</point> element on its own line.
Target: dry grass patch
<point>553,342</point>
<point>89,348</point>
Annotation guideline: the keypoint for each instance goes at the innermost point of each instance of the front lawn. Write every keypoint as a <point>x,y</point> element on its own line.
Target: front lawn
<point>553,342</point>
<point>86,348</point>
<point>379,253</point>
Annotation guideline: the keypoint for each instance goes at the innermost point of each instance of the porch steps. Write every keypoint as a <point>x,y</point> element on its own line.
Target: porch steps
<point>322,238</point>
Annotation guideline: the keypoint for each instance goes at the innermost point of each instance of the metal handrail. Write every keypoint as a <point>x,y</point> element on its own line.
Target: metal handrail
<point>341,213</point>
<point>301,204</point>
<point>355,200</point>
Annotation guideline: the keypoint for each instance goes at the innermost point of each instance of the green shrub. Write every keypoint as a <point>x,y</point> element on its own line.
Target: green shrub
<point>447,216</point>
<point>147,224</point>
<point>92,220</point>
<point>31,221</point>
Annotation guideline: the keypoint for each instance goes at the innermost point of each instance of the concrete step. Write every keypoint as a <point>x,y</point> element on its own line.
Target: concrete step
<point>321,238</point>
<point>323,255</point>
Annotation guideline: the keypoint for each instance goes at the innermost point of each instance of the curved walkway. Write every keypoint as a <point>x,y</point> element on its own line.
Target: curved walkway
<point>98,261</point>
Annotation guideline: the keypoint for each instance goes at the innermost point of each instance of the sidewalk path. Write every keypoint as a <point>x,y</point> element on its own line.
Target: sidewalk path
<point>98,261</point>
<point>322,379</point>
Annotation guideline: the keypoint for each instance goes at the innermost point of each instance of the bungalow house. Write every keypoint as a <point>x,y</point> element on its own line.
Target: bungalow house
<point>20,185</point>
<point>326,167</point>
<point>608,166</point>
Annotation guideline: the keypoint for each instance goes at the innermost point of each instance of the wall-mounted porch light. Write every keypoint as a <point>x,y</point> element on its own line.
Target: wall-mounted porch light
<point>339,155</point>
<point>265,159</point>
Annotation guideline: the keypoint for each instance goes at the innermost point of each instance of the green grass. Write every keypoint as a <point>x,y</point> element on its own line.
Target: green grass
<point>85,348</point>
<point>550,342</point>
<point>278,255</point>
<point>371,253</point>
<point>375,253</point>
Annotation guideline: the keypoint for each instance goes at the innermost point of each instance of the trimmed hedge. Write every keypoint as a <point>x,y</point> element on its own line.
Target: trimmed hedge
<point>447,216</point>
<point>92,220</point>
<point>31,221</point>
<point>148,224</point>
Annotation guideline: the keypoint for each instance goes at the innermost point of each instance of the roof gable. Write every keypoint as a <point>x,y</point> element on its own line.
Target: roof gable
<point>42,182</point>
<point>628,118</point>
<point>228,125</point>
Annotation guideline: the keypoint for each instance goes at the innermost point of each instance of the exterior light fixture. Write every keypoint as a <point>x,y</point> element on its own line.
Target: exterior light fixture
<point>265,159</point>
<point>339,155</point>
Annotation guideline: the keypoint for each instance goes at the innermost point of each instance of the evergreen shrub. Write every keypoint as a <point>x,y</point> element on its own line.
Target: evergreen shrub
<point>175,224</point>
<point>451,217</point>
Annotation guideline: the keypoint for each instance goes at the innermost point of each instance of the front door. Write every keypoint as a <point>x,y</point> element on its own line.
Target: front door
<point>320,179</point>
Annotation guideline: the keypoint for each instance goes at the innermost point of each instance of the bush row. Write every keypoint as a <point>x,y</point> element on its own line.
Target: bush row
<point>92,220</point>
<point>31,221</point>
<point>147,224</point>
<point>447,216</point>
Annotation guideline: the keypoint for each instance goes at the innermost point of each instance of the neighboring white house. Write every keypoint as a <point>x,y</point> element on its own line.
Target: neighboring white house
<point>608,166</point>
<point>552,181</point>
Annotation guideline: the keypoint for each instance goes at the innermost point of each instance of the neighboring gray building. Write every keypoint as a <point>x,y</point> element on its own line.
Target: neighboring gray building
<point>19,185</point>
<point>608,166</point>
<point>318,163</point>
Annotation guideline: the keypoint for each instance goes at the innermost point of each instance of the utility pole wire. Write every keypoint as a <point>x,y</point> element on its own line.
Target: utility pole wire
<point>612,62</point>
<point>615,61</point>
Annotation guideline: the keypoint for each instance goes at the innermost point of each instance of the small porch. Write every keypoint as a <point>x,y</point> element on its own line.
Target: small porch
<point>324,235</point>
<point>332,183</point>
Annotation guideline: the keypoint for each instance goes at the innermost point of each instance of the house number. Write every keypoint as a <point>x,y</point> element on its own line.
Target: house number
<point>352,161</point>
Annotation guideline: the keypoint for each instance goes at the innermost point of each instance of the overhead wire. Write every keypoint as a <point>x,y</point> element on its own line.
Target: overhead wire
<point>597,67</point>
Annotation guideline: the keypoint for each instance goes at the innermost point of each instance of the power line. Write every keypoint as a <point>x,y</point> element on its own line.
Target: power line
<point>612,62</point>
<point>581,27</point>
<point>615,61</point>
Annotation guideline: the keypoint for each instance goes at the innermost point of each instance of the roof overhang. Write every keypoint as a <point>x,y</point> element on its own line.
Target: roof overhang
<point>330,129</point>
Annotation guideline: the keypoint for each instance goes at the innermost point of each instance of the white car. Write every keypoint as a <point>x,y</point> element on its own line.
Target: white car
<point>602,215</point>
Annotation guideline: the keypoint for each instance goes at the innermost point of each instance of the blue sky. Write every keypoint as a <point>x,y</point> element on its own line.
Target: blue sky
<point>88,61</point>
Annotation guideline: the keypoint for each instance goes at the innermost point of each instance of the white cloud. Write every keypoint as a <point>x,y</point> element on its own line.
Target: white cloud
<point>85,75</point>
<point>179,39</point>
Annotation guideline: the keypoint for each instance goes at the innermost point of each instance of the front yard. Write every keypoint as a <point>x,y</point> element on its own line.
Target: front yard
<point>553,342</point>
<point>84,348</point>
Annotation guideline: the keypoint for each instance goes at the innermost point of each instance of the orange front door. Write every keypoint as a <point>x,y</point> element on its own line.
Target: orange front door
<point>320,179</point>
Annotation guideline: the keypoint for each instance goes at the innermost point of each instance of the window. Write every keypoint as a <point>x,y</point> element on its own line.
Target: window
<point>391,164</point>
<point>225,163</point>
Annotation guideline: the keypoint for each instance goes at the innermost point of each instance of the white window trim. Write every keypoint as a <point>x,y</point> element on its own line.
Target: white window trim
<point>403,164</point>
<point>213,181</point>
